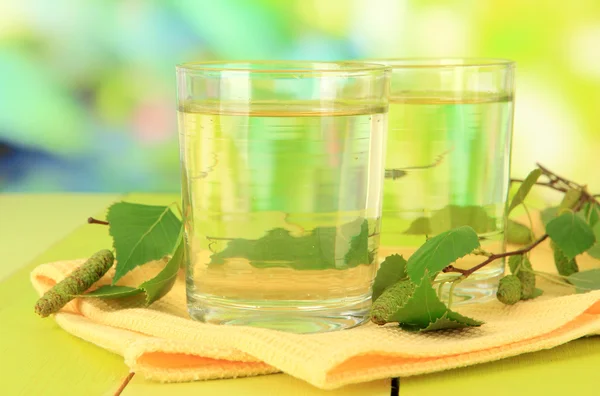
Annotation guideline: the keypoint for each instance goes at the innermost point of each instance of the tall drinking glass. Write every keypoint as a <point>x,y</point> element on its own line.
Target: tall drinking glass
<point>282,171</point>
<point>448,158</point>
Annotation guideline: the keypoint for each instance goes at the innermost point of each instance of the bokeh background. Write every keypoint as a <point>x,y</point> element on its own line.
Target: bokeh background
<point>87,88</point>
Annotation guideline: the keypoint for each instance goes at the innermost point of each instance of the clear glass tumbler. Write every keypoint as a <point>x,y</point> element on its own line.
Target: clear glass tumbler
<point>282,171</point>
<point>448,158</point>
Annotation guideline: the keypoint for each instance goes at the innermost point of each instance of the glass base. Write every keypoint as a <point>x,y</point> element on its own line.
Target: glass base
<point>480,287</point>
<point>291,316</point>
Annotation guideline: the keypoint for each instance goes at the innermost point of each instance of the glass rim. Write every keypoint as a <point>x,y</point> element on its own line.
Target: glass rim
<point>443,62</point>
<point>301,66</point>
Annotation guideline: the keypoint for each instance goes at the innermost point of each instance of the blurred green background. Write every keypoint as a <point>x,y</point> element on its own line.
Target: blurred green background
<point>87,88</point>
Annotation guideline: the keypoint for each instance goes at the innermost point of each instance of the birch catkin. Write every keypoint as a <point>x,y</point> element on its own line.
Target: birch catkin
<point>564,266</point>
<point>509,290</point>
<point>76,283</point>
<point>392,299</point>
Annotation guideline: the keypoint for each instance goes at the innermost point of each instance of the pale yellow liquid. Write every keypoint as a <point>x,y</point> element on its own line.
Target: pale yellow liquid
<point>447,150</point>
<point>247,173</point>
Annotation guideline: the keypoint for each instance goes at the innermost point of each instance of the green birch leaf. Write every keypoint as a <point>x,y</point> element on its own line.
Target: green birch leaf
<point>392,269</point>
<point>518,233</point>
<point>524,189</point>
<point>586,280</point>
<point>162,283</point>
<point>594,251</point>
<point>111,291</point>
<point>440,251</point>
<point>571,234</point>
<point>591,213</point>
<point>141,233</point>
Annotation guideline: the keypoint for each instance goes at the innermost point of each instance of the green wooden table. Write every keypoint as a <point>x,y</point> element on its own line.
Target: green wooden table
<point>38,358</point>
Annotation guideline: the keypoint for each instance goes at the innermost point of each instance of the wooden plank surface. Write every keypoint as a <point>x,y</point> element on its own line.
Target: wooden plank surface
<point>38,358</point>
<point>277,384</point>
<point>30,224</point>
<point>569,369</point>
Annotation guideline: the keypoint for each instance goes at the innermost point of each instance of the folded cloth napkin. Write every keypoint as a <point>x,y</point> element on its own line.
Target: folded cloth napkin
<point>163,344</point>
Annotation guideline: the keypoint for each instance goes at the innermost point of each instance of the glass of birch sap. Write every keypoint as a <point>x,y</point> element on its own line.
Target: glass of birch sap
<point>282,174</point>
<point>448,159</point>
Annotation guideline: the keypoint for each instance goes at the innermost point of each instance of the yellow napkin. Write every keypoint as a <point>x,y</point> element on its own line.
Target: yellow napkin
<point>163,344</point>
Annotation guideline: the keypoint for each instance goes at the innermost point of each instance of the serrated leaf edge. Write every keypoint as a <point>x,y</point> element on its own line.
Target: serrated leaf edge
<point>463,319</point>
<point>432,325</point>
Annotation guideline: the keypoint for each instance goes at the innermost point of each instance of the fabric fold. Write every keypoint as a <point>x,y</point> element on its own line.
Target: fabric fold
<point>162,343</point>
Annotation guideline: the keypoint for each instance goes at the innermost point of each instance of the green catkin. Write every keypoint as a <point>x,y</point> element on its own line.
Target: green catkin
<point>527,281</point>
<point>521,267</point>
<point>569,201</point>
<point>509,290</point>
<point>564,266</point>
<point>514,263</point>
<point>393,298</point>
<point>517,233</point>
<point>76,283</point>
